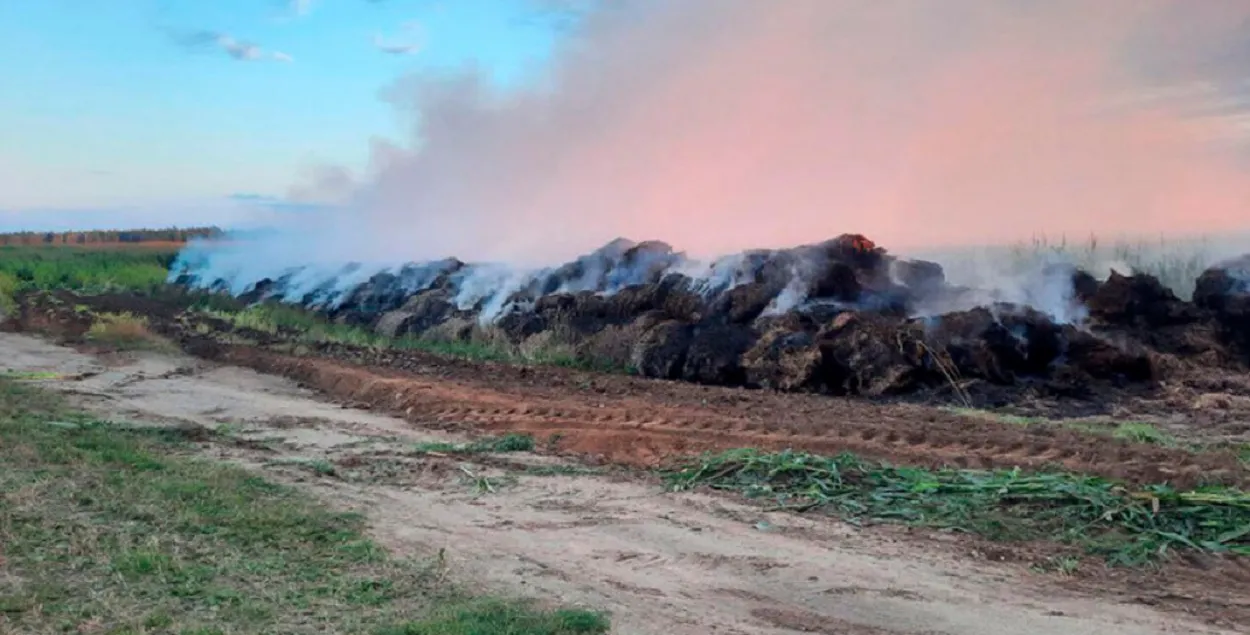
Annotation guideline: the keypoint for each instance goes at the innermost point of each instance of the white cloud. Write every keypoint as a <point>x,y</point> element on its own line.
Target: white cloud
<point>301,7</point>
<point>403,47</point>
<point>241,50</point>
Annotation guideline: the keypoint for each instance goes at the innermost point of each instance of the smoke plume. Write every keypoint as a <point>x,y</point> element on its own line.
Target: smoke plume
<point>734,124</point>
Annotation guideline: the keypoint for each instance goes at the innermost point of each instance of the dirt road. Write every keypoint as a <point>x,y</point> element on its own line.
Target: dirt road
<point>661,563</point>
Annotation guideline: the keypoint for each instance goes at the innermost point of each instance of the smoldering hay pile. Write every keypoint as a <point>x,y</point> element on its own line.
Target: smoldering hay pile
<point>841,316</point>
<point>721,126</point>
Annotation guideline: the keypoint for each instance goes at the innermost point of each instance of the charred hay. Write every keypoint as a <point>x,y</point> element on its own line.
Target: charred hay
<point>835,317</point>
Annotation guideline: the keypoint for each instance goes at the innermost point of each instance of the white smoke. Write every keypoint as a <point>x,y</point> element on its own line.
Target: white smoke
<point>722,126</point>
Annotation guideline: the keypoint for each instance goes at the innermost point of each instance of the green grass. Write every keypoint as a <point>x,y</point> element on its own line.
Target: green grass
<point>8,289</point>
<point>82,269</point>
<point>32,375</point>
<point>505,443</point>
<point>1144,433</point>
<point>108,529</point>
<point>309,327</point>
<point>1129,527</point>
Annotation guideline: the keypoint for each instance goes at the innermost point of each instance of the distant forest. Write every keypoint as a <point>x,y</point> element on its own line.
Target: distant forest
<point>109,237</point>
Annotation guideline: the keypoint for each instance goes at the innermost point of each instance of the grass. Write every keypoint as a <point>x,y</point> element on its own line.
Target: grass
<point>308,327</point>
<point>107,529</point>
<point>82,269</point>
<point>1176,261</point>
<point>1128,527</point>
<point>33,375</point>
<point>1144,433</point>
<point>505,443</point>
<point>126,331</point>
<point>8,289</point>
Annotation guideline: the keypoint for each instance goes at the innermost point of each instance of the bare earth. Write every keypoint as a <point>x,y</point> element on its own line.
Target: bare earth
<point>661,563</point>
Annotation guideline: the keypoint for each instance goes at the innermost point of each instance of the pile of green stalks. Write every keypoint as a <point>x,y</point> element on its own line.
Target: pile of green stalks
<point>1128,526</point>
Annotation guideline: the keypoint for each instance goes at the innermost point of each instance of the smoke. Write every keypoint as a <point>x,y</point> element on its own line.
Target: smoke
<point>734,124</point>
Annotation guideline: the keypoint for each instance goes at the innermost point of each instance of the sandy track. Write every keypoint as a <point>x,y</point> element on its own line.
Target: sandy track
<point>671,564</point>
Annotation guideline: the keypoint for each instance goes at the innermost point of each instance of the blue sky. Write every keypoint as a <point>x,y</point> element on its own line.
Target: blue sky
<point>131,103</point>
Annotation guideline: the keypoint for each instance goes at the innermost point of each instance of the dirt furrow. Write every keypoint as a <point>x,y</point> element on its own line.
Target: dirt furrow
<point>616,429</point>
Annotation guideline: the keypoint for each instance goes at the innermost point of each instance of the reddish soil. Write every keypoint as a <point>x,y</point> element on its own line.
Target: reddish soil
<point>634,421</point>
<point>641,422</point>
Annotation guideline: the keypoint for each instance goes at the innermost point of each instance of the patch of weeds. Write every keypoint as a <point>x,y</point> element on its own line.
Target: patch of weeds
<point>120,530</point>
<point>561,470</point>
<point>30,375</point>
<point>485,484</point>
<point>1144,433</point>
<point>504,618</point>
<point>320,467</point>
<point>1000,417</point>
<point>8,292</point>
<point>127,331</point>
<point>1125,526</point>
<point>501,444</point>
<point>1062,565</point>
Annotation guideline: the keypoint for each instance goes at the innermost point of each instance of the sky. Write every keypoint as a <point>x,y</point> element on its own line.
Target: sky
<point>716,125</point>
<point>162,108</point>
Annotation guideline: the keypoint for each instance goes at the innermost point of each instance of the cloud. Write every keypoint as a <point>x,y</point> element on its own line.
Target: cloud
<point>395,49</point>
<point>241,50</point>
<point>300,7</point>
<point>401,47</point>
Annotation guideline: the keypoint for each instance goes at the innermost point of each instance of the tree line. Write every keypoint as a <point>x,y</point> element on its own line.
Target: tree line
<point>108,237</point>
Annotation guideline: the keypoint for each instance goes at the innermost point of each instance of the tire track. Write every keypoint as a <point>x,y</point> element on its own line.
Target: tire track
<point>616,429</point>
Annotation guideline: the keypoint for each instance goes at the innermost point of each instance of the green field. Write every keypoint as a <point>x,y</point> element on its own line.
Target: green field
<point>84,269</point>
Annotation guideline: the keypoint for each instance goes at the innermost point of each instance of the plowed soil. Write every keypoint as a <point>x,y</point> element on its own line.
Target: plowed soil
<point>631,421</point>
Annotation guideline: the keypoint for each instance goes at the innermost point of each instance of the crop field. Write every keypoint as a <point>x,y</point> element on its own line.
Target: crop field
<point>181,461</point>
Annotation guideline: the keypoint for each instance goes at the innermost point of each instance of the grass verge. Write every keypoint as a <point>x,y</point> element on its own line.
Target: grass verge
<point>1125,526</point>
<point>305,326</point>
<point>105,529</point>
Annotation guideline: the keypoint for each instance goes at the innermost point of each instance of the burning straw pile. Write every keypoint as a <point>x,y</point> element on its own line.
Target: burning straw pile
<point>840,317</point>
